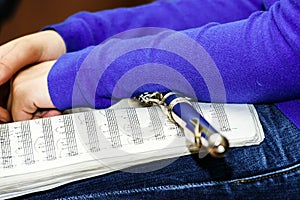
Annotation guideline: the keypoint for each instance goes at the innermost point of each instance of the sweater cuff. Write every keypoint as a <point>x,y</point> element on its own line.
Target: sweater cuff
<point>61,80</point>
<point>75,32</point>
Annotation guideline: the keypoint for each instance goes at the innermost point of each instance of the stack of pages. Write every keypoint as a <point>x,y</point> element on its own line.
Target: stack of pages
<point>45,153</point>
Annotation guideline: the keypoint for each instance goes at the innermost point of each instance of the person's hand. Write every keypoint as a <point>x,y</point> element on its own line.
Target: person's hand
<point>24,51</point>
<point>27,50</point>
<point>29,96</point>
<point>4,114</point>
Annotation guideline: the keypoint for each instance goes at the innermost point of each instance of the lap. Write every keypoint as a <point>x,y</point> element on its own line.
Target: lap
<point>269,170</point>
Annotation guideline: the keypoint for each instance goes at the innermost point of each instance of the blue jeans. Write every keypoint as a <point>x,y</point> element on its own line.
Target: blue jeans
<point>267,171</point>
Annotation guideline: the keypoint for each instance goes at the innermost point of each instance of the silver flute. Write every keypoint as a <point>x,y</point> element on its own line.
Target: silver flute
<point>201,136</point>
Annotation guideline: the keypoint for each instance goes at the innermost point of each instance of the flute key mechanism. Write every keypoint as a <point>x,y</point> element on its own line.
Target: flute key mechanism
<point>201,136</point>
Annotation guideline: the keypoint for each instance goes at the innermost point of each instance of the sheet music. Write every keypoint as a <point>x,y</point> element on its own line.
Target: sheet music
<point>44,153</point>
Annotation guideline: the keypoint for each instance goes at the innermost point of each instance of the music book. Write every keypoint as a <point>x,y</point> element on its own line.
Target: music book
<point>41,154</point>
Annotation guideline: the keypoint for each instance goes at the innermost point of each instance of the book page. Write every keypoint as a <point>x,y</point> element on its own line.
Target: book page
<point>44,153</point>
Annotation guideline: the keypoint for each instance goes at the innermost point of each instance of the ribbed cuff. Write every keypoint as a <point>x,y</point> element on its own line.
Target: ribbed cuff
<point>61,80</point>
<point>75,33</point>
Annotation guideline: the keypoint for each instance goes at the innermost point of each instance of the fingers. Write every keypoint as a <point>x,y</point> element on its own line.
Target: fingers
<point>46,113</point>
<point>27,50</point>
<point>51,113</point>
<point>24,100</point>
<point>27,115</point>
<point>4,116</point>
<point>21,102</point>
<point>16,55</point>
<point>4,96</point>
<point>20,113</point>
<point>29,93</point>
<point>4,93</point>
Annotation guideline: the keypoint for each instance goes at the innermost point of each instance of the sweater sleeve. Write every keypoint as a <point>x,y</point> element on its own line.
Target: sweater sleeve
<point>85,28</point>
<point>257,59</point>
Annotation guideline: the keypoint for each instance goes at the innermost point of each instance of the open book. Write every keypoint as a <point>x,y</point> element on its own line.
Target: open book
<point>45,153</point>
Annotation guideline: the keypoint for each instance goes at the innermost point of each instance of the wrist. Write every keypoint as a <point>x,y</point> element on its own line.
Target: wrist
<point>61,80</point>
<point>54,45</point>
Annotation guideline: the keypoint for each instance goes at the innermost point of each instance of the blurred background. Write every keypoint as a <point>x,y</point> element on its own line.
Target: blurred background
<point>20,17</point>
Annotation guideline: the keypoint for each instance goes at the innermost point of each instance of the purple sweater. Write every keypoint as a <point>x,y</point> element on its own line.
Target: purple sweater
<point>245,51</point>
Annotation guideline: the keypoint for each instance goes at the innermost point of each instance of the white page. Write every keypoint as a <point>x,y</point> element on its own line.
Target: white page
<point>45,153</point>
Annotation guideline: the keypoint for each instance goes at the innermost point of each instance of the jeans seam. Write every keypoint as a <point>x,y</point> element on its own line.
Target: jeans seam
<point>273,174</point>
<point>251,179</point>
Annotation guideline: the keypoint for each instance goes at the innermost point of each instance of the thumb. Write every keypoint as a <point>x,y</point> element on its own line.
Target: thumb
<point>37,47</point>
<point>13,57</point>
<point>22,111</point>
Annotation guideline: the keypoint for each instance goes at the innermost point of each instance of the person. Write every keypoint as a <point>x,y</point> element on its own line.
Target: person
<point>257,66</point>
<point>254,44</point>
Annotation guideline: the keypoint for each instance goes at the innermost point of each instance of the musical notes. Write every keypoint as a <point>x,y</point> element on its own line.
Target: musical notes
<point>51,151</point>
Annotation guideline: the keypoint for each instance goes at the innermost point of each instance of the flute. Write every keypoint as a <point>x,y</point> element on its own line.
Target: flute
<point>201,136</point>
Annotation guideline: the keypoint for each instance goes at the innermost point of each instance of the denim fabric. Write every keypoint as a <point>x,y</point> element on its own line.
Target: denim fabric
<point>270,170</point>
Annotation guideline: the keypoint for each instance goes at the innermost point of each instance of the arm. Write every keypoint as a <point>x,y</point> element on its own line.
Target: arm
<point>84,29</point>
<point>258,59</point>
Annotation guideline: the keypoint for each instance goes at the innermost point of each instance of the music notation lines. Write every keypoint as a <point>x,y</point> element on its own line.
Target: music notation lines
<point>6,155</point>
<point>113,128</point>
<point>48,138</point>
<point>156,123</point>
<point>27,143</point>
<point>222,117</point>
<point>135,126</point>
<point>70,135</point>
<point>90,123</point>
